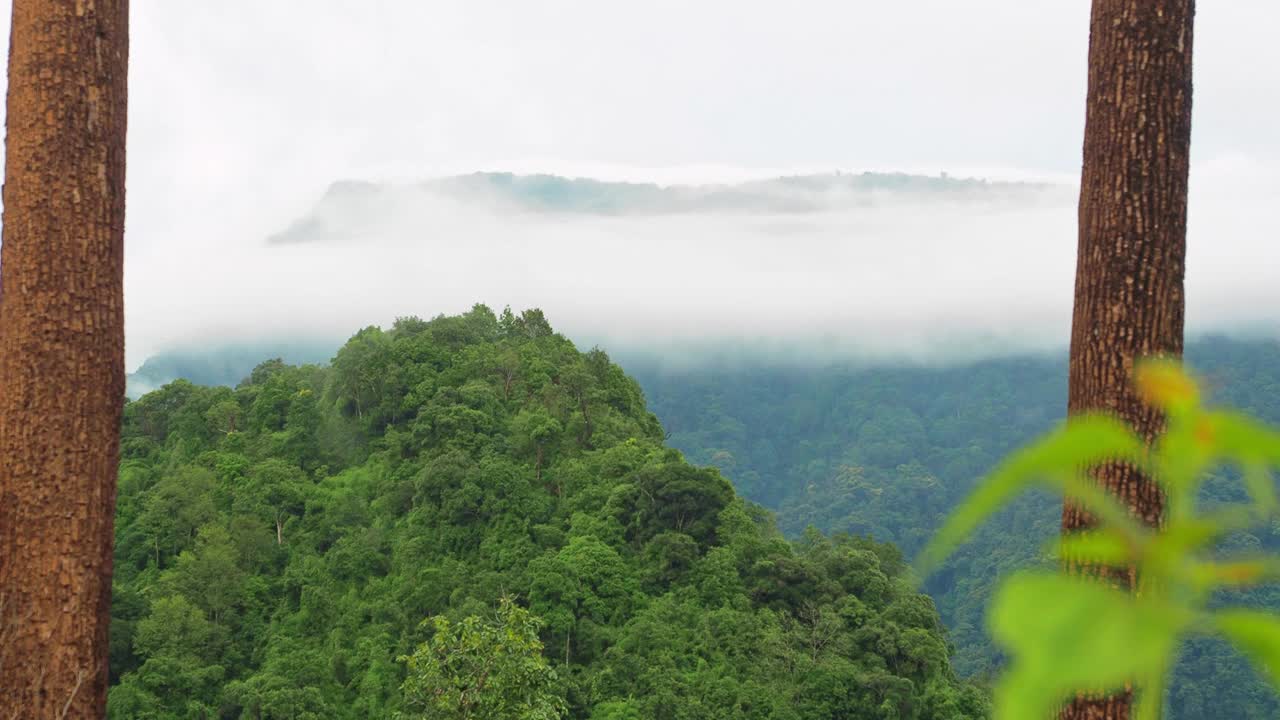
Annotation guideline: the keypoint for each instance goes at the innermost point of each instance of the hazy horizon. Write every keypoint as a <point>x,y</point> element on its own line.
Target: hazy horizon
<point>901,277</point>
<point>243,113</point>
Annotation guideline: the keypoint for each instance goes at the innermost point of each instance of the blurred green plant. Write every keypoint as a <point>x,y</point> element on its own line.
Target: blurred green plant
<point>1066,632</point>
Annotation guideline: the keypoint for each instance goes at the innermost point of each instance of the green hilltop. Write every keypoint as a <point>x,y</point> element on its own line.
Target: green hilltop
<point>280,543</point>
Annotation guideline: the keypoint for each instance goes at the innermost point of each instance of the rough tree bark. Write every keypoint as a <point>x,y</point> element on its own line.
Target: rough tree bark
<point>61,352</point>
<point>1132,245</point>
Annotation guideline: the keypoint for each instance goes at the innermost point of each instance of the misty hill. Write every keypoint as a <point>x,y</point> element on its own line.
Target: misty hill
<point>350,208</point>
<point>279,544</point>
<point>886,451</point>
<point>224,365</point>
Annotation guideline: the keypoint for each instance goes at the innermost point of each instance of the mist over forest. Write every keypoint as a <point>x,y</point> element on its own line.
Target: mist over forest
<point>851,350</point>
<point>640,361</point>
<point>882,267</point>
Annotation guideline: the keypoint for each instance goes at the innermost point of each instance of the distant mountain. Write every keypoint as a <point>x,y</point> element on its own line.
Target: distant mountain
<point>351,208</point>
<point>222,364</point>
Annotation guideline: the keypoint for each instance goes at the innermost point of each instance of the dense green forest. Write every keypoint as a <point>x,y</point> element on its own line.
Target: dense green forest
<point>281,543</point>
<point>887,452</point>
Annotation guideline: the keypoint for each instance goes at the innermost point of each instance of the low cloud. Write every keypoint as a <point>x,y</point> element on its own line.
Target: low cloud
<point>921,275</point>
<point>243,112</point>
<point>353,210</point>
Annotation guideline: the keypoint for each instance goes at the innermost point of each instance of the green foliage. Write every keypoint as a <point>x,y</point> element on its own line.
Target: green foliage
<point>294,531</point>
<point>1053,460</point>
<point>482,670</point>
<point>1067,633</point>
<point>792,437</point>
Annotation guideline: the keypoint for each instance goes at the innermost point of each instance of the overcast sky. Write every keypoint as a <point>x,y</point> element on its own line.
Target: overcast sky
<point>243,111</point>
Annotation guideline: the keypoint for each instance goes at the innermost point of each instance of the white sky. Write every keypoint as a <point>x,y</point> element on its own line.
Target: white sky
<point>243,111</point>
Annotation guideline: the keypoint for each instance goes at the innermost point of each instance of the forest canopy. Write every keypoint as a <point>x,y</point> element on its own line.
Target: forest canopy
<point>280,544</point>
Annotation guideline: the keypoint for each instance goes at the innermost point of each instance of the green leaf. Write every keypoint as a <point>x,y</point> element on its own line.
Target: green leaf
<point>1243,439</point>
<point>1169,550</point>
<point>1243,573</point>
<point>1150,700</point>
<point>1163,382</point>
<point>1066,634</point>
<point>1103,547</point>
<point>1257,635</point>
<point>1262,488</point>
<point>1180,458</point>
<point>1056,458</point>
<point>1237,438</point>
<point>1103,504</point>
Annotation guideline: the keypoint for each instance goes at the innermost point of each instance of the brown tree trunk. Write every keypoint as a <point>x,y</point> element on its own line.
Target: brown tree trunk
<point>1132,246</point>
<point>61,352</point>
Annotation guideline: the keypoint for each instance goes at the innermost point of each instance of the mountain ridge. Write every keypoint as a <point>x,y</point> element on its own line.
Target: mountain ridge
<point>545,193</point>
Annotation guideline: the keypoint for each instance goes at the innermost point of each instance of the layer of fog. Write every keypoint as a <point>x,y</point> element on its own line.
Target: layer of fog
<point>893,280</point>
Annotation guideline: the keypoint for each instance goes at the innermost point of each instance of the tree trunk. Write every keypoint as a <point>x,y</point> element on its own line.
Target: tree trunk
<point>1132,245</point>
<point>61,352</point>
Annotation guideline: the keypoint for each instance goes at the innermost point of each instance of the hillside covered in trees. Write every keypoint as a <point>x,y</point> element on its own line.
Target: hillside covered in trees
<point>280,544</point>
<point>887,452</point>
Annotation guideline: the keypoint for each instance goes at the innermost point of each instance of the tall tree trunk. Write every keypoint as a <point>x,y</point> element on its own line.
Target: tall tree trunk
<point>1132,246</point>
<point>61,352</point>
